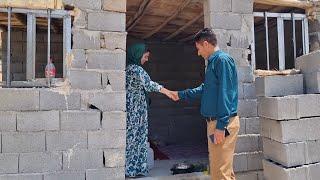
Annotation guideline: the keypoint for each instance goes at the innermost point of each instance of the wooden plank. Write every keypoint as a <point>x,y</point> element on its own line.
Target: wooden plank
<point>184,27</point>
<point>286,3</point>
<point>188,38</point>
<point>139,14</point>
<point>181,7</point>
<point>20,18</point>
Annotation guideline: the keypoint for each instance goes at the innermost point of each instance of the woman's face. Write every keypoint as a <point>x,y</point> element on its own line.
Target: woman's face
<point>145,57</point>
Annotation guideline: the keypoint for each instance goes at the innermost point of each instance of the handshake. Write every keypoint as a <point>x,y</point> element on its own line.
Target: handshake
<point>173,95</point>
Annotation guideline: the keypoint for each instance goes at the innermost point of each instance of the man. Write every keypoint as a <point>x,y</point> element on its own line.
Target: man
<point>219,103</point>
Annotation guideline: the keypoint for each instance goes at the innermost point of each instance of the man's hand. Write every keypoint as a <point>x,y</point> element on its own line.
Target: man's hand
<point>219,136</point>
<point>175,96</point>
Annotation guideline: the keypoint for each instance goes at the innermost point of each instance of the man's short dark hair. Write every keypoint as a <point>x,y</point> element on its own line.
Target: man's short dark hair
<point>206,34</point>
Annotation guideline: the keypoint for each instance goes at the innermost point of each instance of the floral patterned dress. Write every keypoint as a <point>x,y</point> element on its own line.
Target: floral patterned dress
<point>138,82</point>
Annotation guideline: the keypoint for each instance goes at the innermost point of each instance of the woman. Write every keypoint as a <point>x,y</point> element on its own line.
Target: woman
<point>138,83</point>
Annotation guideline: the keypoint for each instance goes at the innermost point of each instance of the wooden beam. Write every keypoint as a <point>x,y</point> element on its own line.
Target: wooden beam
<point>184,27</point>
<point>139,14</point>
<point>20,18</point>
<point>286,3</point>
<point>188,38</point>
<point>181,7</point>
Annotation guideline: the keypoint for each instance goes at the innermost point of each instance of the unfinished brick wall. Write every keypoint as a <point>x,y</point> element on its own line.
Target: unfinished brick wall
<point>232,21</point>
<point>76,131</point>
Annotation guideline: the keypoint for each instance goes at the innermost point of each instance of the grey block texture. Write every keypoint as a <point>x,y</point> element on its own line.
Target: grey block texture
<point>19,99</point>
<point>20,142</point>
<point>8,121</point>
<point>40,162</point>
<point>114,157</point>
<point>112,21</point>
<point>107,139</point>
<point>31,176</point>
<point>312,82</point>
<point>55,100</point>
<point>74,160</point>
<point>80,120</point>
<point>116,101</point>
<point>279,85</point>
<point>65,175</point>
<point>86,80</point>
<point>38,121</point>
<point>106,59</point>
<point>8,163</point>
<point>84,39</point>
<point>115,120</point>
<point>105,174</point>
<point>309,63</point>
<point>66,140</point>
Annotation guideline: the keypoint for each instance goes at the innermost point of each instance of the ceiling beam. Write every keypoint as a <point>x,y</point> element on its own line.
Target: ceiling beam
<point>139,14</point>
<point>184,27</point>
<point>20,18</point>
<point>188,38</point>
<point>175,14</point>
<point>286,3</point>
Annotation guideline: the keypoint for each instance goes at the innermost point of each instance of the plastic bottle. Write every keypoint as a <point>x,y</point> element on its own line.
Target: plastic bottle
<point>50,72</point>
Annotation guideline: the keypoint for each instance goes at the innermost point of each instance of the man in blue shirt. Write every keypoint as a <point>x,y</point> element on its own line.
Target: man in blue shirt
<point>219,103</point>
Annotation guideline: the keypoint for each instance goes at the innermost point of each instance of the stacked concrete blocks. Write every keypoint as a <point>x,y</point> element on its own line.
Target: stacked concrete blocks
<point>310,66</point>
<point>79,131</point>
<point>290,126</point>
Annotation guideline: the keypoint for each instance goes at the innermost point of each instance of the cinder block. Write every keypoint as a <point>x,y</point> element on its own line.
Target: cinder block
<point>244,6</point>
<point>314,171</point>
<point>8,163</point>
<point>80,19</point>
<point>240,39</point>
<point>312,82</point>
<point>8,121</point>
<point>252,125</point>
<point>308,105</point>
<point>21,177</point>
<point>255,161</point>
<point>279,85</point>
<point>105,101</point>
<point>309,63</point>
<point>113,21</point>
<point>273,171</point>
<point>40,162</point>
<point>114,120</point>
<point>14,142</point>
<point>19,99</point>
<point>87,80</point>
<point>65,140</point>
<point>240,91</point>
<point>220,6</point>
<point>247,108</point>
<point>114,5</point>
<point>84,4</point>
<point>82,159</point>
<point>84,39</point>
<point>313,155</point>
<point>38,121</point>
<point>288,155</point>
<point>117,80</point>
<point>247,143</point>
<point>115,40</point>
<point>278,108</point>
<point>240,55</point>
<point>79,58</point>
<point>249,90</point>
<point>240,162</point>
<point>245,74</point>
<point>65,176</point>
<point>106,59</point>
<point>242,129</point>
<point>226,21</point>
<point>107,139</point>
<point>114,157</point>
<point>54,100</point>
<point>106,173</point>
<point>290,131</point>
<point>247,176</point>
<point>80,120</point>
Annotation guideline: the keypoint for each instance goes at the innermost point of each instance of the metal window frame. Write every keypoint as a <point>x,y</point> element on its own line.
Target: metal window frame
<point>31,38</point>
<point>281,17</point>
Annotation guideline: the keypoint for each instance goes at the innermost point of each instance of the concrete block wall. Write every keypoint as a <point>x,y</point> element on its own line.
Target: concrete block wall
<point>289,126</point>
<point>310,66</point>
<point>77,131</point>
<point>19,53</point>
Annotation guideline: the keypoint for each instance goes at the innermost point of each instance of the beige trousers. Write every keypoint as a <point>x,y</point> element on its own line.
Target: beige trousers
<point>221,155</point>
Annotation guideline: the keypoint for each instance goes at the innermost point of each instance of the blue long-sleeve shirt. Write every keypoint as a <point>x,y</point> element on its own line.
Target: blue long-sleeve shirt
<point>219,92</point>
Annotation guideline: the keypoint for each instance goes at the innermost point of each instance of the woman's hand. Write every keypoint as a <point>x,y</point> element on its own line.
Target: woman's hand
<point>173,95</point>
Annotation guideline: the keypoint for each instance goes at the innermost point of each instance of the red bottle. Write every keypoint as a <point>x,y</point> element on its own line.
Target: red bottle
<point>50,71</point>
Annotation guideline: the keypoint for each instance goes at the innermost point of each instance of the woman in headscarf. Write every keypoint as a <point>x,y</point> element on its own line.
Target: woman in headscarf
<point>138,84</point>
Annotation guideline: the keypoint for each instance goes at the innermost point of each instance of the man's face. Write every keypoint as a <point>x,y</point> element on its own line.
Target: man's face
<point>202,48</point>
